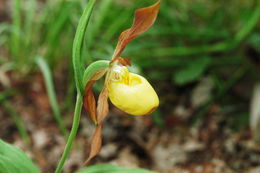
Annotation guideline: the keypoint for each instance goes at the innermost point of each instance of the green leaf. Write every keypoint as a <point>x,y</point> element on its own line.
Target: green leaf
<point>13,160</point>
<point>77,46</point>
<point>108,168</point>
<point>192,71</point>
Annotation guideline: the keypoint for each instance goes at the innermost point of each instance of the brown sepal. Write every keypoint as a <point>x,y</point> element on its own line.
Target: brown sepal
<point>124,61</point>
<point>144,19</point>
<point>89,101</point>
<point>102,108</point>
<point>96,143</point>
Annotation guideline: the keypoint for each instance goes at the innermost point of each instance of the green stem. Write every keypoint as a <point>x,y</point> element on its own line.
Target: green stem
<point>73,133</point>
<point>78,72</point>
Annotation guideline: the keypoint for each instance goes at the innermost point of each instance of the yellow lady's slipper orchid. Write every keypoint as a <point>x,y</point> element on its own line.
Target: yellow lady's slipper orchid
<point>131,92</point>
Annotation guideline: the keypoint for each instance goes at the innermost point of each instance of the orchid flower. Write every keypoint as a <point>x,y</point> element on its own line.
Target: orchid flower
<point>127,91</point>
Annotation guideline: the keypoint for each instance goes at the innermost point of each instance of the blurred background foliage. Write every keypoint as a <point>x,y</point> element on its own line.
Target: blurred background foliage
<point>192,43</point>
<point>201,56</point>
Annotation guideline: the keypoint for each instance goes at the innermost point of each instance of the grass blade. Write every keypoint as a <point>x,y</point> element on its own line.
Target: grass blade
<point>17,120</point>
<point>14,115</point>
<point>16,20</point>
<point>29,16</point>
<point>51,94</point>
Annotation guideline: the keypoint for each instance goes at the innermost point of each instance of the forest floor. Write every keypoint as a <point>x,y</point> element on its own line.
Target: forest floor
<point>208,146</point>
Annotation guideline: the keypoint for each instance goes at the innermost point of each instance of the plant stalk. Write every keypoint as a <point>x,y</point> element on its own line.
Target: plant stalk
<point>73,133</point>
<point>78,72</point>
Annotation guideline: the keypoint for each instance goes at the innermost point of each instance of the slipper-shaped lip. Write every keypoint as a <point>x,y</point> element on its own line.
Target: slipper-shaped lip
<point>131,92</point>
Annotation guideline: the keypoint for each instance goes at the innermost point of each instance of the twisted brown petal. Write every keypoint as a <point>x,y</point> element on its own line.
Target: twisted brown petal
<point>124,61</point>
<point>96,143</point>
<point>89,101</point>
<point>102,108</point>
<point>144,19</point>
